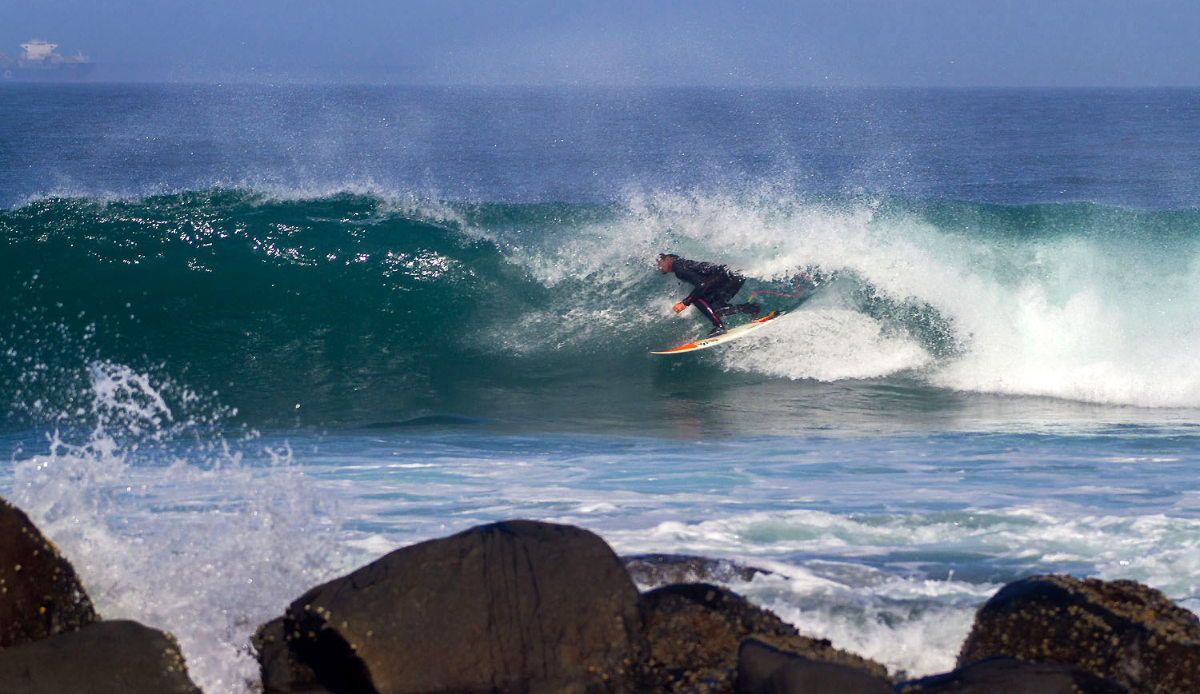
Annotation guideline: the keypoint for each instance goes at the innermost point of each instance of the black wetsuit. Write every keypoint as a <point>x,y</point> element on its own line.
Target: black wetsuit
<point>715,286</point>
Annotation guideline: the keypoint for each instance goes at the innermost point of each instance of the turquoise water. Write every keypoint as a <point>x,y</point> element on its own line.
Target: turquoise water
<point>254,337</point>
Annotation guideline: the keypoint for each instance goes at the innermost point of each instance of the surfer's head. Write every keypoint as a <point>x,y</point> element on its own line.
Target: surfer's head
<point>666,262</point>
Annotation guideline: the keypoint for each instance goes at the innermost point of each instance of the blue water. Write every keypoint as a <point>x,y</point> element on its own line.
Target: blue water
<point>255,336</point>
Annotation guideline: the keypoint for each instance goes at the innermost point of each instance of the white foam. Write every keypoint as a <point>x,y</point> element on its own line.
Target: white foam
<point>210,545</point>
<point>1083,315</point>
<point>912,623</point>
<point>205,547</point>
<point>915,637</point>
<point>826,345</point>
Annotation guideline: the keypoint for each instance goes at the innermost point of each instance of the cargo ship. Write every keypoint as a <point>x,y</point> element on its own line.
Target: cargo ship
<point>38,61</point>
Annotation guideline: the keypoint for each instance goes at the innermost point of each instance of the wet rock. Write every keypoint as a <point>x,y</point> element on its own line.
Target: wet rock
<point>1119,630</point>
<point>654,570</point>
<point>40,595</point>
<point>102,658</point>
<point>517,606</point>
<point>281,669</point>
<point>763,669</point>
<point>695,631</point>
<point>1001,675</point>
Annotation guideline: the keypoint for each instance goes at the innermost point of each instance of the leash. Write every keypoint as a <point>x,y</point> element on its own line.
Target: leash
<point>793,295</point>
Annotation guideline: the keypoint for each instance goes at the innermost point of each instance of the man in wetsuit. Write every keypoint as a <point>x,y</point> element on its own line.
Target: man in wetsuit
<point>715,286</point>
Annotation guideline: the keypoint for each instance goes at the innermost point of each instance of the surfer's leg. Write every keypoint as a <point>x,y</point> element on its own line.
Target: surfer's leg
<point>735,286</point>
<point>719,300</point>
<point>745,307</point>
<point>724,291</point>
<point>731,309</point>
<point>703,307</point>
<point>723,309</point>
<point>720,294</point>
<point>752,309</point>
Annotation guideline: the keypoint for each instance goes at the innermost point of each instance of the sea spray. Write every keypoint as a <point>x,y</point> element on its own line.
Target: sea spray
<point>171,524</point>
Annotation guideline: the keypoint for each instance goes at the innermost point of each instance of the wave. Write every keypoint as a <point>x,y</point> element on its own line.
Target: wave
<point>359,307</point>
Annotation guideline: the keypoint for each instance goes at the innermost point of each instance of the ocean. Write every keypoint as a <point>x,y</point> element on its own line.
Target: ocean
<point>253,336</point>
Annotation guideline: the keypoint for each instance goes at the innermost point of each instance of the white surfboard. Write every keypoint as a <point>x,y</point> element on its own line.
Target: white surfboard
<point>727,336</point>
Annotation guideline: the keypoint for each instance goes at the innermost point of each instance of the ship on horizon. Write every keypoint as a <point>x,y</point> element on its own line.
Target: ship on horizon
<point>38,61</point>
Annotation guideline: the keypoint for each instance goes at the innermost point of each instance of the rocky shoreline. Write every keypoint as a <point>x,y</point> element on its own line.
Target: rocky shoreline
<point>525,606</point>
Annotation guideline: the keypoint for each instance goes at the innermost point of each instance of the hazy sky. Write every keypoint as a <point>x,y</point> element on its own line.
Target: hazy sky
<point>757,42</point>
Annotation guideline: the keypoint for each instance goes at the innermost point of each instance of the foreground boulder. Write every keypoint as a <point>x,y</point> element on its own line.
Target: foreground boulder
<point>103,658</point>
<point>1011,676</point>
<point>695,631</point>
<point>517,606</point>
<point>40,595</point>
<point>766,670</point>
<point>1119,630</point>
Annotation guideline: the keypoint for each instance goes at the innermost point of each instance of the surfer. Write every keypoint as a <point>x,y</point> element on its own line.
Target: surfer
<point>715,286</point>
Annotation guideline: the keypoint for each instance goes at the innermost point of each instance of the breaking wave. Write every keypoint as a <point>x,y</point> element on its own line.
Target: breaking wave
<point>360,307</point>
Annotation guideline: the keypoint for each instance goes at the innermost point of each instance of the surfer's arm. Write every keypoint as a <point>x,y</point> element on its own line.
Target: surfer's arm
<point>687,274</point>
<point>702,284</point>
<point>699,274</point>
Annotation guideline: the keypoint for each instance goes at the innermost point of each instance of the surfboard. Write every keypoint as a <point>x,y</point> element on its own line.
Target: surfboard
<point>727,336</point>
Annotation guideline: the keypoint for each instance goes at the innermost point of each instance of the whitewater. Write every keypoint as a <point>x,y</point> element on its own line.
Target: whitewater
<point>253,337</point>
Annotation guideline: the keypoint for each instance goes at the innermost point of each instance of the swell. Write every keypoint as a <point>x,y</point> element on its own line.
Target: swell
<point>359,308</point>
<point>326,302</point>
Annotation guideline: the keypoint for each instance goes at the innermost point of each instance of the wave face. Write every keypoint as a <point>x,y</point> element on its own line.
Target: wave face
<point>364,308</point>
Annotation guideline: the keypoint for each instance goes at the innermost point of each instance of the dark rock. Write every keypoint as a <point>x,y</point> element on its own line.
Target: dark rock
<point>517,606</point>
<point>766,670</point>
<point>1119,630</point>
<point>695,631</point>
<point>102,658</point>
<point>1003,675</point>
<point>281,669</point>
<point>40,595</point>
<point>655,570</point>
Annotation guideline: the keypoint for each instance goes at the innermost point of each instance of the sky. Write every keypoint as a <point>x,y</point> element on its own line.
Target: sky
<point>920,43</point>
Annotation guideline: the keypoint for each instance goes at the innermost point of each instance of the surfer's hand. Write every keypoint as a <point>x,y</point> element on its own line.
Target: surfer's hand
<point>678,307</point>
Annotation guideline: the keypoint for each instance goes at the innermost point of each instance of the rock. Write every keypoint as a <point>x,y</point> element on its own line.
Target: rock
<point>766,670</point>
<point>695,631</point>
<point>281,669</point>
<point>1002,675</point>
<point>517,606</point>
<point>40,595</point>
<point>102,658</point>
<point>1119,630</point>
<point>654,570</point>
